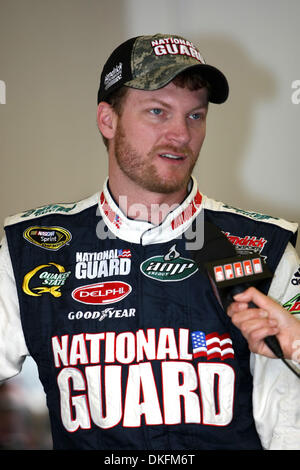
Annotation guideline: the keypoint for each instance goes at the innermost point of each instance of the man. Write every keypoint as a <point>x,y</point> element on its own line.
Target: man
<point>133,348</point>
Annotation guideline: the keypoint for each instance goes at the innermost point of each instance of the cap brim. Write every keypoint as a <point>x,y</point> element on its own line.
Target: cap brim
<point>219,88</point>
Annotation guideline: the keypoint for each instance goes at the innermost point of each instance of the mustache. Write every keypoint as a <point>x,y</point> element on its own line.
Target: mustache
<point>182,150</point>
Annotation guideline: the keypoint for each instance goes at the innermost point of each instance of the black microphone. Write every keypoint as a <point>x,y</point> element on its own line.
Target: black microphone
<point>231,273</point>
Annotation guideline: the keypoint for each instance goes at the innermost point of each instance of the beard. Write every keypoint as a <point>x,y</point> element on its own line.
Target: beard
<point>141,170</point>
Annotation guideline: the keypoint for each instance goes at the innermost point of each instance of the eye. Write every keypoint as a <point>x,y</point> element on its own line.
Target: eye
<point>196,116</point>
<point>156,111</point>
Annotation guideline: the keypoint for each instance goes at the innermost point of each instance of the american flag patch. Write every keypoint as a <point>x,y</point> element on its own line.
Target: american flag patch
<point>212,346</point>
<point>117,221</point>
<point>124,254</point>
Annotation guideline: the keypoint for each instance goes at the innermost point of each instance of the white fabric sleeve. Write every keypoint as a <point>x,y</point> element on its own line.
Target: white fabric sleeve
<point>13,350</point>
<point>276,391</point>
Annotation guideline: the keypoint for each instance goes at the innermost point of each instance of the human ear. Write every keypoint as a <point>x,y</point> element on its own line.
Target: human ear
<point>106,120</point>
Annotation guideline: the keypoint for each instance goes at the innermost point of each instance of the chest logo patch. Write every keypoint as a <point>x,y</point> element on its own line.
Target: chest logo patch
<point>293,305</point>
<point>49,238</point>
<point>102,292</point>
<point>171,267</point>
<point>46,278</point>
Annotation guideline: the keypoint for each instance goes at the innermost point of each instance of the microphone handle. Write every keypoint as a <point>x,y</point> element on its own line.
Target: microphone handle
<point>271,341</point>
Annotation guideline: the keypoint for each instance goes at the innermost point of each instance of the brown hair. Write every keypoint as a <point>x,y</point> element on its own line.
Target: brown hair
<point>186,79</point>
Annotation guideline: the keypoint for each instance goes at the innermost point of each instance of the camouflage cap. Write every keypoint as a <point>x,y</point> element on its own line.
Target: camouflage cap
<point>151,62</point>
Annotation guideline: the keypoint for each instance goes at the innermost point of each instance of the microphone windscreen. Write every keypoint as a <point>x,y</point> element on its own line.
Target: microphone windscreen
<point>216,246</point>
<point>225,268</point>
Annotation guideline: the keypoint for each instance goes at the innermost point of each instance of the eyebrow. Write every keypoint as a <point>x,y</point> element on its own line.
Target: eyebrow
<point>167,105</point>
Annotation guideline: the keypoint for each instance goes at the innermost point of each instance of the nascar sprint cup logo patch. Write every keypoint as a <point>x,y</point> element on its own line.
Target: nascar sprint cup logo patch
<point>171,267</point>
<point>49,238</point>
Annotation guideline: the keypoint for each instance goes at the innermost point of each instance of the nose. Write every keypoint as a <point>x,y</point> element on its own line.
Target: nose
<point>177,131</point>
